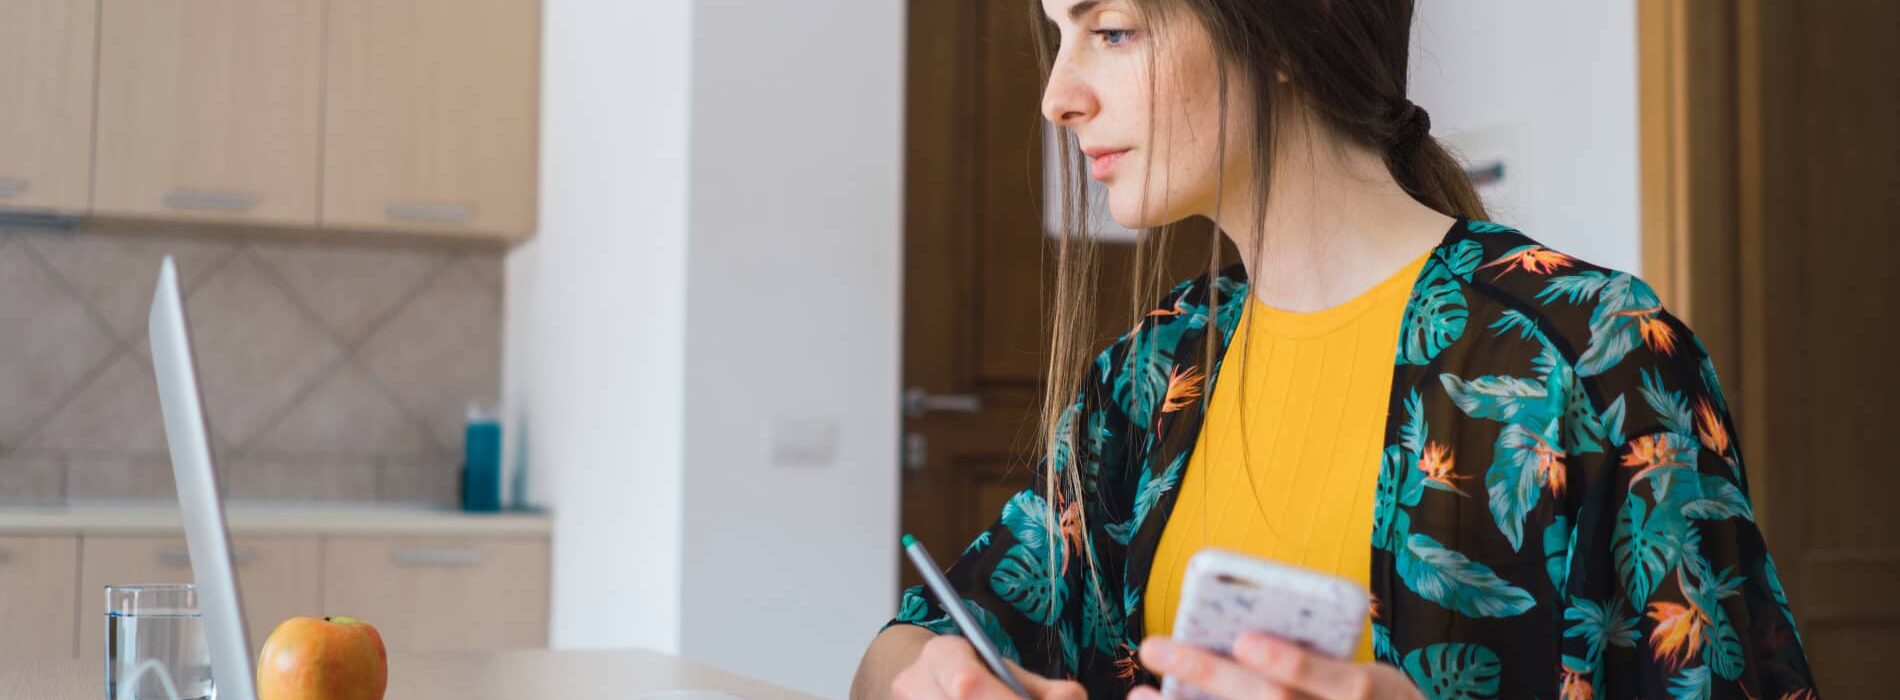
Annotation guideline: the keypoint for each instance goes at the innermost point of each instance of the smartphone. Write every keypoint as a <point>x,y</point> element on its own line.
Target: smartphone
<point>1225,594</point>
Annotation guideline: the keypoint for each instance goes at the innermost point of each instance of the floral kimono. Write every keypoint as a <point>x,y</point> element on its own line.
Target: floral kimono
<point>1561,509</point>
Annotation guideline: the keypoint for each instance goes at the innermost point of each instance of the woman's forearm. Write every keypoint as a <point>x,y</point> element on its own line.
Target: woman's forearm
<point>892,651</point>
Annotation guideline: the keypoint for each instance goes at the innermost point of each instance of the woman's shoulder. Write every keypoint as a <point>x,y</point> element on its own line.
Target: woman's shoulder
<point>1598,318</point>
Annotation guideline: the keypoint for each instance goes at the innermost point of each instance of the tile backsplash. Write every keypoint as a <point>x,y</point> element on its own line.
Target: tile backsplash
<point>332,370</point>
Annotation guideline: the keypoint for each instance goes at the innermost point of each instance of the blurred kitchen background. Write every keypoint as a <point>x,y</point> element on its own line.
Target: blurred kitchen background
<point>748,285</point>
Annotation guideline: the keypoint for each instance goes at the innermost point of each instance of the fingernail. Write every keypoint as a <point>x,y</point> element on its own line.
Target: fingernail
<point>1158,650</point>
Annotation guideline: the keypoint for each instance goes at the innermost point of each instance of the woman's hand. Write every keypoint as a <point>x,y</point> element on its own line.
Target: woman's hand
<point>949,669</point>
<point>1266,667</point>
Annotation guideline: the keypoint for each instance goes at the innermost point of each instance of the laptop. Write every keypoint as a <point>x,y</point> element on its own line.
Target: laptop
<point>203,513</point>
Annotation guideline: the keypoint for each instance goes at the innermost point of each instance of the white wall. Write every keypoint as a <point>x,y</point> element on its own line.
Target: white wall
<point>719,259</point>
<point>598,362</point>
<point>793,328</point>
<point>1559,78</point>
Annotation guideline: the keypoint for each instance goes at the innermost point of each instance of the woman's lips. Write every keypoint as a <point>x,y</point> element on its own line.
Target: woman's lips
<point>1100,165</point>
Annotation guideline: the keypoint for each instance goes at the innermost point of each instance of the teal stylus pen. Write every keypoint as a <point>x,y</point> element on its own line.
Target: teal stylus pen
<point>952,603</point>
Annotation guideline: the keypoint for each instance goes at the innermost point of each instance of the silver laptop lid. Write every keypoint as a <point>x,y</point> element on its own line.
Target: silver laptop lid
<point>202,512</point>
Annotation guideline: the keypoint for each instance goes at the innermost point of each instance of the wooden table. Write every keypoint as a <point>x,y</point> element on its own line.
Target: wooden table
<point>485,675</point>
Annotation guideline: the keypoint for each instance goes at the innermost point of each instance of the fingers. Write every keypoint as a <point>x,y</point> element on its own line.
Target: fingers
<point>1206,670</point>
<point>1287,664</point>
<point>1047,689</point>
<point>949,669</point>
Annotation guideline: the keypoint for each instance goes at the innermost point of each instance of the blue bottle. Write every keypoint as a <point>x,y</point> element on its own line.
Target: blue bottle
<point>481,462</point>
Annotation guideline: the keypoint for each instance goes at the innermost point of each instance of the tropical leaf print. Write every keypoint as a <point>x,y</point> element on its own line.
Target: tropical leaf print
<point>1643,547</point>
<point>1513,320</point>
<point>1476,226</point>
<point>981,542</point>
<point>1023,579</point>
<point>1455,582</point>
<point>1557,537</point>
<point>1690,684</point>
<point>1026,516</point>
<point>1453,671</point>
<point>1628,314</point>
<point>1435,315</point>
<point>913,607</point>
<point>1498,398</point>
<point>1148,492</point>
<point>1385,499</point>
<point>1382,643</point>
<point>915,610</point>
<point>1515,479</point>
<point>1672,410</point>
<point>1574,288</point>
<point>1101,623</point>
<point>1718,499</point>
<point>1414,432</point>
<point>1602,625</point>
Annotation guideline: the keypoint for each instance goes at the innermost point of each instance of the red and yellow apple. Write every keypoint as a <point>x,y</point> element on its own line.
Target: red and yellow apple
<point>331,658</point>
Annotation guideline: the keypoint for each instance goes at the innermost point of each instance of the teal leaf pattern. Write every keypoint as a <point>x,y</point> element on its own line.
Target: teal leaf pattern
<point>1455,582</point>
<point>1691,684</point>
<point>1514,481</point>
<point>1435,316</point>
<point>1450,671</point>
<point>1644,549</point>
<point>1024,580</point>
<point>1557,537</point>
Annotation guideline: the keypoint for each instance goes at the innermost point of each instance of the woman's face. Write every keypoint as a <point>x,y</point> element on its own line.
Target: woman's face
<point>1154,145</point>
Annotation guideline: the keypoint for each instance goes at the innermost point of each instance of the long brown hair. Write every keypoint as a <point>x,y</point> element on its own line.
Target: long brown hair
<point>1347,61</point>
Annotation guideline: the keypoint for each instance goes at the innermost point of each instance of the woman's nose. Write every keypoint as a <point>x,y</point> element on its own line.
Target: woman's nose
<point>1066,100</point>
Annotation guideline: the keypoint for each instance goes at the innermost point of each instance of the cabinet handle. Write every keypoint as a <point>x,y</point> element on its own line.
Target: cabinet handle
<point>215,201</point>
<point>432,212</point>
<point>179,557</point>
<point>11,187</point>
<point>436,556</point>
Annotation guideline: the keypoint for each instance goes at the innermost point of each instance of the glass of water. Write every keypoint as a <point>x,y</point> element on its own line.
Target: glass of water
<point>152,628</point>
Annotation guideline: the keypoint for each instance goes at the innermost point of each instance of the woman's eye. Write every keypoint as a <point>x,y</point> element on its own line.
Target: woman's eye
<point>1113,37</point>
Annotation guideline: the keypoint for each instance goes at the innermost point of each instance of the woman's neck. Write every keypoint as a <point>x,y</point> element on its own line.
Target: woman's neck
<point>1336,225</point>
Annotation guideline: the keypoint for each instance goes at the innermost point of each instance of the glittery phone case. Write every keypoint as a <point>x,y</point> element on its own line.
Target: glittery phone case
<point>1226,594</point>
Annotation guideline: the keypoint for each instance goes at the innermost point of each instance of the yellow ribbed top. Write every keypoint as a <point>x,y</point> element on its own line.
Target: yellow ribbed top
<point>1291,477</point>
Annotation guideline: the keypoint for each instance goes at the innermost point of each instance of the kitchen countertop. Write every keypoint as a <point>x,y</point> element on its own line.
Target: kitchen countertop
<point>269,519</point>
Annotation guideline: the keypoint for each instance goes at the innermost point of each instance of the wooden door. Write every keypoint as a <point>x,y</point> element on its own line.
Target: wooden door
<point>974,343</point>
<point>430,115</point>
<point>277,579</point>
<point>46,74</point>
<point>208,110</point>
<point>1770,162</point>
<point>37,597</point>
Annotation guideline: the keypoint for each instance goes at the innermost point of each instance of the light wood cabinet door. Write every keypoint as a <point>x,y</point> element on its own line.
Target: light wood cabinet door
<point>431,112</point>
<point>209,110</point>
<point>37,593</point>
<point>46,74</point>
<point>441,594</point>
<point>277,579</point>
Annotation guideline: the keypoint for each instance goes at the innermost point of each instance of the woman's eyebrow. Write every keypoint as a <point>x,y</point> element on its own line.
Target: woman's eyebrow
<point>1082,8</point>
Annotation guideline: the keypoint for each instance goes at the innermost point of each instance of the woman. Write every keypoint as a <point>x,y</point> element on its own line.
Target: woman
<point>1525,459</point>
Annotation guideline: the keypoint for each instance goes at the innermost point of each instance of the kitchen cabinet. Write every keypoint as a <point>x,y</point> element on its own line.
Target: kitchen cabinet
<point>441,593</point>
<point>46,76</point>
<point>431,113</point>
<point>277,579</point>
<point>37,596</point>
<point>209,110</point>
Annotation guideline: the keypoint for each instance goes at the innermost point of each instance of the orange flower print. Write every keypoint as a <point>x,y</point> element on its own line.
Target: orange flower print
<point>1575,686</point>
<point>1125,664</point>
<point>1653,452</point>
<point>1550,466</point>
<point>1708,426</point>
<point>1534,259</point>
<point>1184,387</point>
<point>1678,634</point>
<point>1071,530</point>
<point>1802,694</point>
<point>1657,336</point>
<point>1372,605</point>
<point>1436,462</point>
